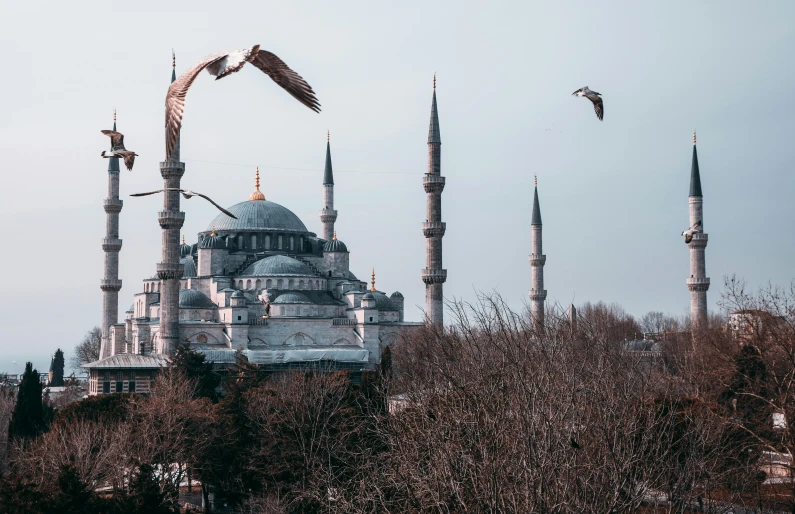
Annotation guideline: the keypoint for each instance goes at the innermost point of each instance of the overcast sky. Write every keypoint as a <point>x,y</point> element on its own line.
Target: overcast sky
<point>613,193</point>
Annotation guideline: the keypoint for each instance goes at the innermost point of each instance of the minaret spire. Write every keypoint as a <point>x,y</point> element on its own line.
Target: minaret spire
<point>698,282</point>
<point>257,194</point>
<point>328,216</point>
<point>111,245</point>
<point>434,228</point>
<point>173,66</point>
<point>537,260</point>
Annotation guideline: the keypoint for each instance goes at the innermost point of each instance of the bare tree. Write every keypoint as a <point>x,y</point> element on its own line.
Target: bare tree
<point>87,350</point>
<point>8,400</point>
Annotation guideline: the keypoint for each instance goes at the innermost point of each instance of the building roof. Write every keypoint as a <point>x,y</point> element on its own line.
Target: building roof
<point>258,215</point>
<point>238,294</point>
<point>536,219</point>
<point>188,267</point>
<point>129,361</point>
<point>382,301</point>
<point>192,299</point>
<point>212,242</point>
<point>277,265</point>
<point>328,174</point>
<point>434,135</point>
<point>335,245</point>
<point>185,250</point>
<point>396,294</point>
<point>695,176</point>
<point>292,298</point>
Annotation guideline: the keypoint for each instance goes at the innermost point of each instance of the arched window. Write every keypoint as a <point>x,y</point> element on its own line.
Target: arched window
<point>280,242</point>
<point>301,243</point>
<point>311,285</point>
<point>239,242</point>
<point>268,284</point>
<point>301,284</point>
<point>292,243</point>
<point>279,284</point>
<point>248,284</point>
<point>291,284</point>
<point>258,284</point>
<point>317,284</point>
<point>267,242</point>
<point>253,241</point>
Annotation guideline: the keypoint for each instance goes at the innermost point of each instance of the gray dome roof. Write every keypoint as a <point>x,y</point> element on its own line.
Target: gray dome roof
<point>212,242</point>
<point>258,215</point>
<point>184,250</point>
<point>277,265</point>
<point>188,267</point>
<point>292,298</point>
<point>192,299</point>
<point>335,245</point>
<point>238,294</point>
<point>132,308</point>
<point>396,294</point>
<point>368,296</point>
<point>382,301</point>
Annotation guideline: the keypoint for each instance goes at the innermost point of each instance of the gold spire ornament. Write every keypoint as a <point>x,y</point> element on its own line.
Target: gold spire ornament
<point>434,81</point>
<point>372,287</point>
<point>114,115</point>
<point>257,194</point>
<point>328,136</point>
<point>694,138</point>
<point>335,236</point>
<point>173,60</point>
<point>535,180</point>
<point>213,234</point>
<point>183,238</point>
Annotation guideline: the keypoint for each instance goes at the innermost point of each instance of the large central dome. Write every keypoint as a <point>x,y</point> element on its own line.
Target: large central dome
<point>258,215</point>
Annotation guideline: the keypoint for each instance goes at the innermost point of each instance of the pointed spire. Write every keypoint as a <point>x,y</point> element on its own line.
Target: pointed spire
<point>536,219</point>
<point>328,174</point>
<point>372,282</point>
<point>695,176</point>
<point>114,119</point>
<point>434,136</point>
<point>113,162</point>
<point>183,238</point>
<point>257,194</point>
<point>335,236</point>
<point>173,66</point>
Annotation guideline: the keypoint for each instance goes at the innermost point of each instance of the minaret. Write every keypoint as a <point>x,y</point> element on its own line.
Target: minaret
<point>111,245</point>
<point>697,283</point>
<point>433,275</point>
<point>328,215</point>
<point>537,260</point>
<point>170,269</point>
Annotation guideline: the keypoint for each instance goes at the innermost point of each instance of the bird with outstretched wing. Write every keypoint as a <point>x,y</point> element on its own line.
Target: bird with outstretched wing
<point>188,194</point>
<point>692,230</point>
<point>225,63</point>
<point>117,149</point>
<point>595,98</point>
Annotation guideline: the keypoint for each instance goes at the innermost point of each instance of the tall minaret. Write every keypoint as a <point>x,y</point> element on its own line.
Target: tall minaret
<point>328,215</point>
<point>537,260</point>
<point>170,269</point>
<point>697,283</point>
<point>111,245</point>
<point>433,275</point>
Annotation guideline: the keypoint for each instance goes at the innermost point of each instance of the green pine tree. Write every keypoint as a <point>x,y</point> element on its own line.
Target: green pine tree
<point>56,369</point>
<point>192,364</point>
<point>27,420</point>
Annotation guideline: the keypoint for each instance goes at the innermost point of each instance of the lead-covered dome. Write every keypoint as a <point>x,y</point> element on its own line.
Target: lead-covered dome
<point>192,299</point>
<point>278,265</point>
<point>292,298</point>
<point>258,215</point>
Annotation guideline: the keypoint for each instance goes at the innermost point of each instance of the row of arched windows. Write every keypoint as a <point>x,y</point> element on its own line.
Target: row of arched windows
<point>154,287</point>
<point>312,285</point>
<point>268,242</point>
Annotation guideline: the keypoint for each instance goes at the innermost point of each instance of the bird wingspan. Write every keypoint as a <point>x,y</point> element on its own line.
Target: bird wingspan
<point>116,139</point>
<point>688,238</point>
<point>696,224</point>
<point>289,80</point>
<point>598,105</point>
<point>175,99</point>
<point>129,159</point>
<point>147,194</point>
<point>216,205</point>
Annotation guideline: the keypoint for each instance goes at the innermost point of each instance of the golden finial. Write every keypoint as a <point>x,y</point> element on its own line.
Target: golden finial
<point>114,115</point>
<point>335,236</point>
<point>213,234</point>
<point>434,81</point>
<point>694,138</point>
<point>173,60</point>
<point>257,194</point>
<point>372,288</point>
<point>183,238</point>
<point>328,136</point>
<point>535,180</point>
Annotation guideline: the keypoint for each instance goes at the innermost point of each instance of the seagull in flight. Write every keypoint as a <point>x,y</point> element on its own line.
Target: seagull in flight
<point>225,63</point>
<point>188,194</point>
<point>692,230</point>
<point>117,148</point>
<point>594,97</point>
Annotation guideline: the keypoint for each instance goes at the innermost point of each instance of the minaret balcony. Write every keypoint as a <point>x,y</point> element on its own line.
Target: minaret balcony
<point>112,205</point>
<point>433,183</point>
<point>111,244</point>
<point>110,284</point>
<point>172,169</point>
<point>434,228</point>
<point>171,219</point>
<point>328,215</point>
<point>169,270</point>
<point>434,276</point>
<point>698,284</point>
<point>536,259</point>
<point>699,240</point>
<point>537,295</point>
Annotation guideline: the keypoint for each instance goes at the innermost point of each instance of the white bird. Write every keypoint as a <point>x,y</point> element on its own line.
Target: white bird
<point>188,194</point>
<point>225,63</point>
<point>692,230</point>
<point>594,97</point>
<point>117,148</point>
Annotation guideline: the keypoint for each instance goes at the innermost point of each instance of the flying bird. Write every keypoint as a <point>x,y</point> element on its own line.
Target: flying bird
<point>225,63</point>
<point>594,97</point>
<point>692,230</point>
<point>188,194</point>
<point>117,149</point>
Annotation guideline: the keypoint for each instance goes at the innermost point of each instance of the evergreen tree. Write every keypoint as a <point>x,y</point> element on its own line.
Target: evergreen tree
<point>192,364</point>
<point>27,420</point>
<point>145,494</point>
<point>56,369</point>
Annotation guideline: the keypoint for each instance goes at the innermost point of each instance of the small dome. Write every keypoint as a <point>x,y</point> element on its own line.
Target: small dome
<point>368,296</point>
<point>382,301</point>
<point>278,265</point>
<point>238,294</point>
<point>292,298</point>
<point>335,245</point>
<point>184,249</point>
<point>192,299</point>
<point>188,267</point>
<point>212,242</point>
<point>396,294</point>
<point>132,308</point>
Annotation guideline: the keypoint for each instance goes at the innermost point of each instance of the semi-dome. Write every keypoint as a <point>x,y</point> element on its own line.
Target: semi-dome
<point>192,299</point>
<point>382,302</point>
<point>278,265</point>
<point>258,215</point>
<point>292,298</point>
<point>188,267</point>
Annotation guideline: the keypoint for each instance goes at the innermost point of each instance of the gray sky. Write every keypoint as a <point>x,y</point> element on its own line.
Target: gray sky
<point>613,194</point>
